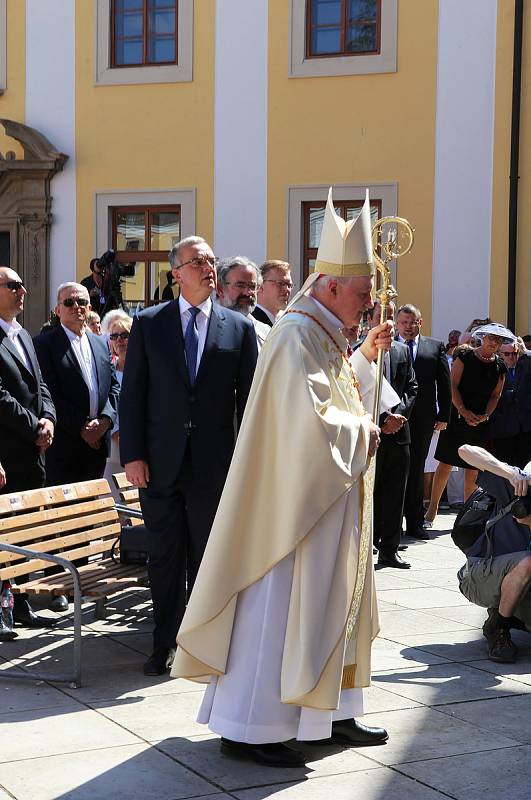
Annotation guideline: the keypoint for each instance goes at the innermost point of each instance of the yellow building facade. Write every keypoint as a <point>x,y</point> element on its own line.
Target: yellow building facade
<point>230,119</point>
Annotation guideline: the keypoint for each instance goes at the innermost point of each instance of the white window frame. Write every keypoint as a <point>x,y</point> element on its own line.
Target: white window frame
<point>302,67</point>
<point>106,200</point>
<point>297,195</point>
<point>105,75</point>
<point>3,46</point>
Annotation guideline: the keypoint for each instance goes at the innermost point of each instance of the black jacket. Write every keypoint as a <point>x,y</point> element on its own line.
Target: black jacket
<point>404,383</point>
<point>24,399</point>
<point>433,379</point>
<point>161,413</point>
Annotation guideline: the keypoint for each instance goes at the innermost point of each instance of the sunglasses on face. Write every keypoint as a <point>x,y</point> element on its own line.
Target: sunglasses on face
<point>123,336</point>
<point>69,302</point>
<point>13,285</point>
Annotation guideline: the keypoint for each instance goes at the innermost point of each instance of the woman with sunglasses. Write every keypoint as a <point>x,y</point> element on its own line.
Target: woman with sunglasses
<point>119,330</point>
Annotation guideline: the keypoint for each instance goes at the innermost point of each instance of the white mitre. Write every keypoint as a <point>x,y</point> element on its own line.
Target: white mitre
<point>345,248</point>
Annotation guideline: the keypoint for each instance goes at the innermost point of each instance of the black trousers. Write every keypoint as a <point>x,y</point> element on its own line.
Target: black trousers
<point>513,450</point>
<point>392,467</point>
<point>74,462</point>
<point>178,520</point>
<point>418,451</point>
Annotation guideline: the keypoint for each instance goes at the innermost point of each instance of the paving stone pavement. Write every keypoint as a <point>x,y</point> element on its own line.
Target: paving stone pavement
<point>459,725</point>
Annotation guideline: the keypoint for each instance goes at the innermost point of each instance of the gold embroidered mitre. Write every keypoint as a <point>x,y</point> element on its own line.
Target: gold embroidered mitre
<point>345,248</point>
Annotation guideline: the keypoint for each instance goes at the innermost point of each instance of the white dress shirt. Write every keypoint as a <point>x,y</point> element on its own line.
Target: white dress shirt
<point>415,344</point>
<point>12,330</point>
<point>83,353</point>
<point>205,309</point>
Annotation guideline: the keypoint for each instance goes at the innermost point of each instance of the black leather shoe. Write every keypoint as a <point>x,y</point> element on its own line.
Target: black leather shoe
<point>348,731</point>
<point>159,661</point>
<point>272,755</point>
<point>402,547</point>
<point>23,614</point>
<point>393,560</point>
<point>58,603</point>
<point>419,533</point>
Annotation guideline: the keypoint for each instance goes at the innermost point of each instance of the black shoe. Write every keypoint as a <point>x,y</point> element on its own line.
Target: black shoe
<point>349,731</point>
<point>23,614</point>
<point>402,547</point>
<point>374,550</point>
<point>159,662</point>
<point>58,603</point>
<point>501,647</point>
<point>272,755</point>
<point>419,533</point>
<point>393,560</point>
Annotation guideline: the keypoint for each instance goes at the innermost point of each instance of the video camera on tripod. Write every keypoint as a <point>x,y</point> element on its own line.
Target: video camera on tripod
<point>111,272</point>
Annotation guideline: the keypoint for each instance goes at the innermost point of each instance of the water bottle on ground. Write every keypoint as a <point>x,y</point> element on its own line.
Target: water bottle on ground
<point>6,620</point>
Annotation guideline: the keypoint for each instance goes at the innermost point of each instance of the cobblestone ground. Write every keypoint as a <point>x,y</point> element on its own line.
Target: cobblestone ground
<point>459,725</point>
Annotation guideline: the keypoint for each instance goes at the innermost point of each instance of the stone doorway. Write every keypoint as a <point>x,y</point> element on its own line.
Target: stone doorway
<point>25,215</point>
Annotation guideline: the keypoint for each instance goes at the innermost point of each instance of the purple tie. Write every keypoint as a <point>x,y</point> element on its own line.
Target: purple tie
<point>411,344</point>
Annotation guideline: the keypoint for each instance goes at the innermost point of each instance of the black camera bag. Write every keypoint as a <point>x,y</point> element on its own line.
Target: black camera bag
<point>470,523</point>
<point>132,545</point>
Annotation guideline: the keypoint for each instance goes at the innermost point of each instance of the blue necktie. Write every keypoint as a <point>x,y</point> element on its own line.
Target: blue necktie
<point>411,344</point>
<point>511,374</point>
<point>191,341</point>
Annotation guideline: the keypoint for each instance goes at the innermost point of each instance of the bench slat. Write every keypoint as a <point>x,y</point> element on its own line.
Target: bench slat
<point>13,523</point>
<point>53,530</point>
<point>50,495</point>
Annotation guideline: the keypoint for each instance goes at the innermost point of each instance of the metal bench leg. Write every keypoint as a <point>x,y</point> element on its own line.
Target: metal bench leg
<point>100,610</point>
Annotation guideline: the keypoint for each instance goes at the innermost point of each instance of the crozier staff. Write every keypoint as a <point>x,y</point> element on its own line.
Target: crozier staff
<point>283,611</point>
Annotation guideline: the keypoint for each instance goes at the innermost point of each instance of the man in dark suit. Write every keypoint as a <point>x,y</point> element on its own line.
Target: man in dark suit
<point>27,413</point>
<point>430,412</point>
<point>78,370</point>
<point>188,373</point>
<point>274,291</point>
<point>392,458</point>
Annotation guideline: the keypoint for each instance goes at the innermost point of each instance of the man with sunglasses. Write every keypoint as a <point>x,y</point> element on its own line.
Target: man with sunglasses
<point>82,380</point>
<point>189,369</point>
<point>27,413</point>
<point>274,292</point>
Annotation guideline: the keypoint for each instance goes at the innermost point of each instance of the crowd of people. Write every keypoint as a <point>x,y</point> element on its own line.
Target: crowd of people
<point>242,421</point>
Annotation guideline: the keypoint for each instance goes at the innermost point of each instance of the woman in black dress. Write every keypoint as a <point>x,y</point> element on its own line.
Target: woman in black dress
<point>477,378</point>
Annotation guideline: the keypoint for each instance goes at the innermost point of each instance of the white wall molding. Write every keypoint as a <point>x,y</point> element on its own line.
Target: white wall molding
<point>50,108</point>
<point>240,128</point>
<point>462,222</point>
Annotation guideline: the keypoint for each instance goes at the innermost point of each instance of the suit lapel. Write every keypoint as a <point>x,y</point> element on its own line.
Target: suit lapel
<point>393,353</point>
<point>215,326</point>
<point>10,347</point>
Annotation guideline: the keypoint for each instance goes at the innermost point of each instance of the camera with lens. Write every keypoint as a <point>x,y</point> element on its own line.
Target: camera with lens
<point>521,506</point>
<point>111,272</point>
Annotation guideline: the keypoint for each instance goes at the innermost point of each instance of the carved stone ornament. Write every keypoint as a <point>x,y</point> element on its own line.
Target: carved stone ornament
<point>25,214</point>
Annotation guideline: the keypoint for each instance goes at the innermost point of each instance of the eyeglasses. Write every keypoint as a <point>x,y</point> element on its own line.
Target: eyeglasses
<point>15,286</point>
<point>280,284</point>
<point>199,262</point>
<point>69,302</point>
<point>123,336</point>
<point>242,285</point>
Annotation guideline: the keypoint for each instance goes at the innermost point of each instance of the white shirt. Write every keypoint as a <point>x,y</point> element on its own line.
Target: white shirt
<point>83,353</point>
<point>415,344</point>
<point>202,319</point>
<point>12,330</point>
<point>267,313</point>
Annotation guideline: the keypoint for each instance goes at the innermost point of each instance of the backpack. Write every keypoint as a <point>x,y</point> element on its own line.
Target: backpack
<point>470,523</point>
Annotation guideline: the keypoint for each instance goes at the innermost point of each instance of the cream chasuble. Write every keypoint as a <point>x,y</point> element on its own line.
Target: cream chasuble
<point>293,500</point>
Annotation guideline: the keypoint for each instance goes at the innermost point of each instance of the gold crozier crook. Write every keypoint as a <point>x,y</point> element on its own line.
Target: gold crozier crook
<point>398,242</point>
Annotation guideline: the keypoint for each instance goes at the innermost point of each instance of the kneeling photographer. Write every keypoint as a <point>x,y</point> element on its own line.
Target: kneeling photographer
<point>494,531</point>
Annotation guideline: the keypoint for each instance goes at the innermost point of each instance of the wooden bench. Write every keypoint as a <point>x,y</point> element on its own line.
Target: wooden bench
<point>128,496</point>
<point>61,524</point>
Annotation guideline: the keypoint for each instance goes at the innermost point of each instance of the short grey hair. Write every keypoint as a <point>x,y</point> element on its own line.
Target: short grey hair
<point>409,308</point>
<point>324,280</point>
<point>174,256</point>
<point>81,290</point>
<point>227,264</point>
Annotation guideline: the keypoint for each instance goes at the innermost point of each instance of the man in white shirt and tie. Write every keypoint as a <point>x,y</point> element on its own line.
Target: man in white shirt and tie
<point>189,369</point>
